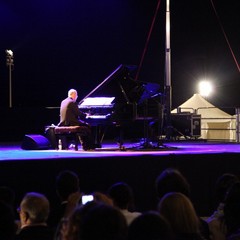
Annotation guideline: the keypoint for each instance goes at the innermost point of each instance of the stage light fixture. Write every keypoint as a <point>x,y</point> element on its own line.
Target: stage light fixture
<point>205,88</point>
<point>9,52</point>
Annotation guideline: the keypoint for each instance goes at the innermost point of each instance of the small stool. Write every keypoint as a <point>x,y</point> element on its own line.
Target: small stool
<point>64,132</point>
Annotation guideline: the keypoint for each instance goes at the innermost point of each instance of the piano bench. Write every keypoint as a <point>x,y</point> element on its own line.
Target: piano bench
<point>64,133</point>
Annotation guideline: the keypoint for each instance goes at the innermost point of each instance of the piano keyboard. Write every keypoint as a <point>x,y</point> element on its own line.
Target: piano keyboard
<point>97,116</point>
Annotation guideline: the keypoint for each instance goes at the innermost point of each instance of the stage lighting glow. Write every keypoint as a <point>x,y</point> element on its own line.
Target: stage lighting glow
<point>9,52</point>
<point>205,88</point>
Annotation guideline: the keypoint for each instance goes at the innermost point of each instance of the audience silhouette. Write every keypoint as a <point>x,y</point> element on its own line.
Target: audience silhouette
<point>33,212</point>
<point>123,198</point>
<point>93,221</point>
<point>179,212</point>
<point>172,180</point>
<point>7,195</point>
<point>112,216</point>
<point>151,226</point>
<point>232,212</point>
<point>67,184</point>
<point>216,222</point>
<point>8,227</point>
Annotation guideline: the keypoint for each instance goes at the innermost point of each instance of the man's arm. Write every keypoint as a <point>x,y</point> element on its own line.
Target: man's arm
<point>77,111</point>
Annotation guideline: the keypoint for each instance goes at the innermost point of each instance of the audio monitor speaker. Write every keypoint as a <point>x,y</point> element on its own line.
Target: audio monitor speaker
<point>188,124</point>
<point>35,142</point>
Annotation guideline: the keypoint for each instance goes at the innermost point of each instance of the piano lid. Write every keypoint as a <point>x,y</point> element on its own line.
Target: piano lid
<point>118,84</point>
<point>121,85</point>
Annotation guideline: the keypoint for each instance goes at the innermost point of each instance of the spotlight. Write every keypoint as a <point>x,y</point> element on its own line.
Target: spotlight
<point>205,88</point>
<point>9,52</point>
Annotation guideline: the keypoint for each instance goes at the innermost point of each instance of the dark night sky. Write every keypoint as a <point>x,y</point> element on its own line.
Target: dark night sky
<point>62,44</point>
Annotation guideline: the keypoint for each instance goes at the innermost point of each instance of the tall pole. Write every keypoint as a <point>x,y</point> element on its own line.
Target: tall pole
<point>168,88</point>
<point>10,86</point>
<point>9,63</point>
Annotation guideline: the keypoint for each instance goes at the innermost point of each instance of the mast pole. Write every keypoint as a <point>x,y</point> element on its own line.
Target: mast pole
<point>168,88</point>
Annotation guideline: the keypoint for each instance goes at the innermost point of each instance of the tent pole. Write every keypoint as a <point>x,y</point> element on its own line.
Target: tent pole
<point>237,112</point>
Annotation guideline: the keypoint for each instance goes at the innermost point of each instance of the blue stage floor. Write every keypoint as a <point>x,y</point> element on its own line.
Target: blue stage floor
<point>13,151</point>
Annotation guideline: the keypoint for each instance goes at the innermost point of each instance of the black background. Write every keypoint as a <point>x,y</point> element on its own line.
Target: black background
<point>66,44</point>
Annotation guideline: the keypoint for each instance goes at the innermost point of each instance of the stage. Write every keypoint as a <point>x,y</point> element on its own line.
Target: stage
<point>200,161</point>
<point>13,151</point>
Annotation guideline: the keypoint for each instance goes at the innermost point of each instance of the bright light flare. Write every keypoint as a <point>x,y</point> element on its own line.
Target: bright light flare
<point>9,52</point>
<point>205,88</point>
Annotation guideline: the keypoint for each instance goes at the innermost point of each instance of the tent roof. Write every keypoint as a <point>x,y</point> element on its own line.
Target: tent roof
<point>202,106</point>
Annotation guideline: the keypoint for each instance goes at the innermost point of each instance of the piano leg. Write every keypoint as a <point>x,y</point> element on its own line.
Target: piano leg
<point>98,136</point>
<point>119,136</point>
<point>100,131</point>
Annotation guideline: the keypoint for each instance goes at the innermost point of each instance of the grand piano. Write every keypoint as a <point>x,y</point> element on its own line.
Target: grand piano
<point>120,99</point>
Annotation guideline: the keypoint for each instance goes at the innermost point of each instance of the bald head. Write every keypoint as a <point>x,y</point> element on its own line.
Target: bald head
<point>72,93</point>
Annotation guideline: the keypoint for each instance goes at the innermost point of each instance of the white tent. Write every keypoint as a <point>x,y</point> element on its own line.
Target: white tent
<point>215,123</point>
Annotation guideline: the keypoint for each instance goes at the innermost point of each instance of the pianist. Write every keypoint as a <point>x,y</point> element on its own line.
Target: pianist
<point>70,115</point>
